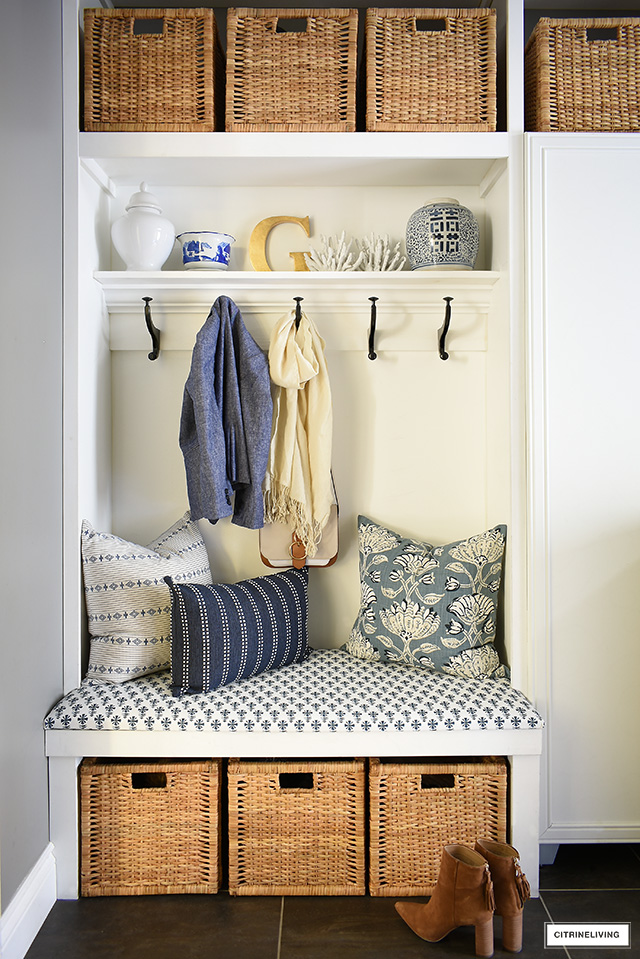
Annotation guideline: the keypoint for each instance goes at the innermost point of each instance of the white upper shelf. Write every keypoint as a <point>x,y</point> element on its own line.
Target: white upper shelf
<point>191,289</point>
<point>292,159</point>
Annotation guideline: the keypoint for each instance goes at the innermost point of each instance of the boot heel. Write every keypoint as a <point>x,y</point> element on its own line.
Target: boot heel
<point>484,938</point>
<point>512,933</point>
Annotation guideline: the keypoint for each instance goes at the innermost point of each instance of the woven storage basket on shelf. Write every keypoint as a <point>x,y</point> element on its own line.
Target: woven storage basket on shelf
<point>431,69</point>
<point>298,80</point>
<point>416,808</point>
<point>152,70</point>
<point>296,828</point>
<point>583,75</point>
<point>149,827</point>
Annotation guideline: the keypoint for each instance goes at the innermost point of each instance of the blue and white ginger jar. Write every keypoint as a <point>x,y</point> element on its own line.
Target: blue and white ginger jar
<point>442,235</point>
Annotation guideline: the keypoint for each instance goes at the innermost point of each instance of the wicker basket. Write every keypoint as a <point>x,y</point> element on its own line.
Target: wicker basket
<point>417,808</point>
<point>152,70</point>
<point>583,75</point>
<point>149,827</point>
<point>283,80</point>
<point>431,69</point>
<point>296,828</point>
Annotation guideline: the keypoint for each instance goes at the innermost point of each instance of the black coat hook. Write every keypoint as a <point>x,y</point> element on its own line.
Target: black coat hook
<point>153,330</point>
<point>372,329</point>
<point>298,300</point>
<point>444,329</point>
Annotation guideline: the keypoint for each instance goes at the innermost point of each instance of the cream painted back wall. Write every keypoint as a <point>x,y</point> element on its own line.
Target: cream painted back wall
<point>408,451</point>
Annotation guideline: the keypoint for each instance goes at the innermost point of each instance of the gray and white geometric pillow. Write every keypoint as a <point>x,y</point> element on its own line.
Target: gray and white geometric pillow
<point>128,602</point>
<point>429,607</point>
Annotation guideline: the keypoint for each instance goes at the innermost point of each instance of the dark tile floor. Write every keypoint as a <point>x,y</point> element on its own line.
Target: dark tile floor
<point>595,883</point>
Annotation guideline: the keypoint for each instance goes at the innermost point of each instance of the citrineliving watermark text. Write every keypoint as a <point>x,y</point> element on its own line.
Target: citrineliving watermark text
<point>592,935</point>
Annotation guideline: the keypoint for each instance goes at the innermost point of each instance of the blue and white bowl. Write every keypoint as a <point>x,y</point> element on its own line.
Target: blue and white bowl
<point>206,250</point>
<point>442,235</point>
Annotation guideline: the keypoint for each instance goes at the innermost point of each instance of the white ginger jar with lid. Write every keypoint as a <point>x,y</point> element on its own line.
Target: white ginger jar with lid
<point>143,237</point>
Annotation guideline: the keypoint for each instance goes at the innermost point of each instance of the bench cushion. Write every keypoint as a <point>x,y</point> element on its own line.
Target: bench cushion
<point>329,692</point>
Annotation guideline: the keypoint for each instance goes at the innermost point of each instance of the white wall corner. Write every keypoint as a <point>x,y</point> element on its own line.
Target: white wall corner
<point>23,917</point>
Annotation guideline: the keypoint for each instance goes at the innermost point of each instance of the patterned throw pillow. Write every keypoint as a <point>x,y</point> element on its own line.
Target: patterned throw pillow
<point>223,633</point>
<point>128,602</point>
<point>429,607</point>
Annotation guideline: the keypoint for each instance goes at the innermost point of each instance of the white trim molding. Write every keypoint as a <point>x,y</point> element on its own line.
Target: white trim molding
<point>23,917</point>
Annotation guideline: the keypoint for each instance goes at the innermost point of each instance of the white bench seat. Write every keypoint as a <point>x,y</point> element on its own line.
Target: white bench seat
<point>331,705</point>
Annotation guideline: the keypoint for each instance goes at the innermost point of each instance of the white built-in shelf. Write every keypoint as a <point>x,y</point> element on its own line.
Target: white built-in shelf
<point>410,305</point>
<point>293,159</point>
<point>194,287</point>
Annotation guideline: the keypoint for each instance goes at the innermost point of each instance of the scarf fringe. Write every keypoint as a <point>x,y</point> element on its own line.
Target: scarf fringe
<point>280,507</point>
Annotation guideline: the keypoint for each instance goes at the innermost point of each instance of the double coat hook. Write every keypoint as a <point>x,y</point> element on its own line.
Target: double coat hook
<point>442,332</point>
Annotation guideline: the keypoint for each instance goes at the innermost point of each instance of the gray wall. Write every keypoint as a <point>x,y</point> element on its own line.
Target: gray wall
<point>30,422</point>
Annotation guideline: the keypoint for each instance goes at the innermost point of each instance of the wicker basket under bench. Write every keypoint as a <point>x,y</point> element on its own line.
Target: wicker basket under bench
<point>149,827</point>
<point>297,828</point>
<point>417,807</point>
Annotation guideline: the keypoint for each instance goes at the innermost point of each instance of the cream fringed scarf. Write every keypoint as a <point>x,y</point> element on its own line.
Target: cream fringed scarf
<point>297,487</point>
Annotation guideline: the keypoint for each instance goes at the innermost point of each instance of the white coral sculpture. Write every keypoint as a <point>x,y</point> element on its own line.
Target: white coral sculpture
<point>377,253</point>
<point>334,254</point>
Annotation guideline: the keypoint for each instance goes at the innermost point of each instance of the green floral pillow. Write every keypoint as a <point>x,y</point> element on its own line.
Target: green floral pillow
<point>429,607</point>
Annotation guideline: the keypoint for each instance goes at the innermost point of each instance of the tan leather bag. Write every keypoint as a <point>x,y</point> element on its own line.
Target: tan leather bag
<point>279,546</point>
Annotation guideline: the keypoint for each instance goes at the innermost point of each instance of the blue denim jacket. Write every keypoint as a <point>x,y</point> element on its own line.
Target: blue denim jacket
<point>225,427</point>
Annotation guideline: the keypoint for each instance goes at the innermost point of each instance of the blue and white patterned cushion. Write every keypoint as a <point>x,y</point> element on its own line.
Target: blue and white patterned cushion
<point>329,692</point>
<point>223,633</point>
<point>128,602</point>
<point>429,607</point>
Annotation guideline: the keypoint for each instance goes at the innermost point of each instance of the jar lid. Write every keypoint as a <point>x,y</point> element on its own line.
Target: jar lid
<point>144,198</point>
<point>443,199</point>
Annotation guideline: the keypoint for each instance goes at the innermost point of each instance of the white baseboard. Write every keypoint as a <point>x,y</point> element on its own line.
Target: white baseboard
<point>586,832</point>
<point>21,920</point>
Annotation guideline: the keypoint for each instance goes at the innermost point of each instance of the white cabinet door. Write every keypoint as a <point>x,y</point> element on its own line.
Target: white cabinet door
<point>584,472</point>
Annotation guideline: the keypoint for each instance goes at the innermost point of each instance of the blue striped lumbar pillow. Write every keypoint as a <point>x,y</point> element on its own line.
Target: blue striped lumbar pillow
<point>223,633</point>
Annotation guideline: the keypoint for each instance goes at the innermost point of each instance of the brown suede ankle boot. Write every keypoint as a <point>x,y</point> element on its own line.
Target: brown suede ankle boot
<point>463,897</point>
<point>511,889</point>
